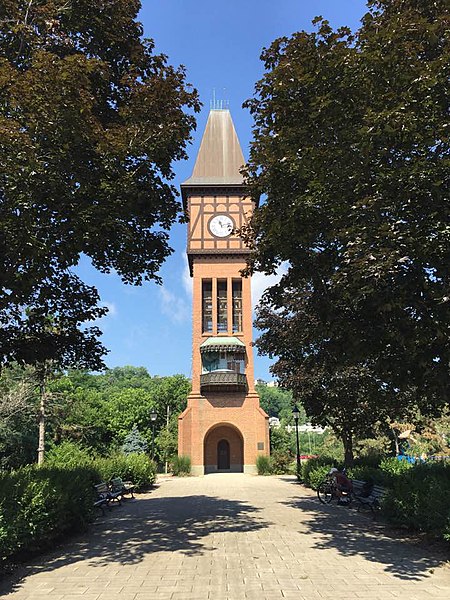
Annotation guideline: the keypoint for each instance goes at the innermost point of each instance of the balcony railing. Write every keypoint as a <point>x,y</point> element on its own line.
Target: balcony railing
<point>228,381</point>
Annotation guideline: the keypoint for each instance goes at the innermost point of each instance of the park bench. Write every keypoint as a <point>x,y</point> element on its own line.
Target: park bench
<point>105,496</point>
<point>368,500</point>
<point>118,486</point>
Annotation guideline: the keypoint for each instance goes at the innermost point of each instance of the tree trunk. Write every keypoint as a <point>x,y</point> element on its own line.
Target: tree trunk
<point>41,421</point>
<point>347,439</point>
<point>397,448</point>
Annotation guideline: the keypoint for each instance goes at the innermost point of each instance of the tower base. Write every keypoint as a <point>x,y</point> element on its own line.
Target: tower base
<point>223,433</point>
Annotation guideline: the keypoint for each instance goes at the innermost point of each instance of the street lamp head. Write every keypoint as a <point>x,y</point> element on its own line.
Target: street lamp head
<point>153,416</point>
<point>296,413</point>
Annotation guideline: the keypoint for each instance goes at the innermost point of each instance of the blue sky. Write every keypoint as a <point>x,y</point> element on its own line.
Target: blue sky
<point>219,43</point>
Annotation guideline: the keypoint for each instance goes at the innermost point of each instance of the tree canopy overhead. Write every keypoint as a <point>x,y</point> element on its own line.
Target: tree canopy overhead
<point>91,120</point>
<point>350,152</point>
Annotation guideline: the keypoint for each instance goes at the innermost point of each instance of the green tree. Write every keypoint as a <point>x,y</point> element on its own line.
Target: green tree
<point>18,410</point>
<point>91,120</point>
<point>134,443</point>
<point>100,410</point>
<point>278,402</point>
<point>283,449</point>
<point>167,441</point>
<point>351,154</point>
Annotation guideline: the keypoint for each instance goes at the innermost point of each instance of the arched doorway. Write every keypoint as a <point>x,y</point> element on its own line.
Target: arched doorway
<point>223,455</point>
<point>224,449</point>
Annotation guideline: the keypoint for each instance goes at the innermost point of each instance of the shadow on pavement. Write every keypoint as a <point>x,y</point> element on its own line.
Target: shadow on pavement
<point>146,525</point>
<point>352,533</point>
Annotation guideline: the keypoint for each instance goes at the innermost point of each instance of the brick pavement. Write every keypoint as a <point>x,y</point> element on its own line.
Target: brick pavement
<point>233,537</point>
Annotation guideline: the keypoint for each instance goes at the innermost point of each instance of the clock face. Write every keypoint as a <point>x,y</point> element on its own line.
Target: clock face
<point>221,226</point>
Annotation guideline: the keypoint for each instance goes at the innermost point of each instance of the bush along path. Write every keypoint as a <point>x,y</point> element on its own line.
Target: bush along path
<point>40,505</point>
<point>417,498</point>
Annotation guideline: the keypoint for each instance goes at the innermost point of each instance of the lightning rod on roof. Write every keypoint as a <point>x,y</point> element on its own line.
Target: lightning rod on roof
<point>215,104</point>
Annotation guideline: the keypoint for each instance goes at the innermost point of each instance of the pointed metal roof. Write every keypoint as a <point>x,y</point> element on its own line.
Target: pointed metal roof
<point>220,156</point>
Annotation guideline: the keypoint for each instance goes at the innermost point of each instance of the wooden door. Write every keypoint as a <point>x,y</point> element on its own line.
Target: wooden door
<point>223,455</point>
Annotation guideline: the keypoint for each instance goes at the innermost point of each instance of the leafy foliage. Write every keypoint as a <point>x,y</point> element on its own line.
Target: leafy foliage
<point>349,151</point>
<point>281,455</point>
<point>68,455</point>
<point>39,505</point>
<point>134,443</point>
<point>138,468</point>
<point>91,120</point>
<point>263,465</point>
<point>418,499</point>
<point>181,465</point>
<point>96,412</point>
<point>135,467</point>
<point>393,467</point>
<point>314,470</point>
<point>100,410</point>
<point>278,402</point>
<point>18,410</point>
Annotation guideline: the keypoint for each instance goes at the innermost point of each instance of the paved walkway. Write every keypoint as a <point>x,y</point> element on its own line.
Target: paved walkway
<point>233,537</point>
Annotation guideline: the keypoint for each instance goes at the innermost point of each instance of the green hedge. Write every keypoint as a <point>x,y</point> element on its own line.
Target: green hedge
<point>313,470</point>
<point>418,497</point>
<point>39,505</point>
<point>138,468</point>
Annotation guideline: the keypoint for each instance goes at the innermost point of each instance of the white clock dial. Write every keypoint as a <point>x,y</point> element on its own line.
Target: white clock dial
<point>221,225</point>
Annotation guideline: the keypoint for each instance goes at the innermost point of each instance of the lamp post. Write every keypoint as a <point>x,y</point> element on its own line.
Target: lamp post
<point>153,417</point>
<point>296,414</point>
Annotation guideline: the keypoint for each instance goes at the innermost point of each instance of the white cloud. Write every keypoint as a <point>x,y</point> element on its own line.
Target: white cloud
<point>112,312</point>
<point>112,309</point>
<point>174,307</point>
<point>261,282</point>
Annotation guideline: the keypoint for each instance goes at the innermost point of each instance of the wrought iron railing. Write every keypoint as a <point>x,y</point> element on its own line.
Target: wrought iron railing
<point>224,380</point>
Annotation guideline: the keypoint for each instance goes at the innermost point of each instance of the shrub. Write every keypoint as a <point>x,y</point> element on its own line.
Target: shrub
<point>181,465</point>
<point>263,465</point>
<point>317,475</point>
<point>314,470</point>
<point>367,473</point>
<point>418,498</point>
<point>39,505</point>
<point>392,467</point>
<point>138,468</point>
<point>280,462</point>
<point>68,454</point>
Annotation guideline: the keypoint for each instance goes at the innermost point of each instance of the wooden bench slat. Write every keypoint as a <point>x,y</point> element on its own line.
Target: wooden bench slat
<point>122,487</point>
<point>371,500</point>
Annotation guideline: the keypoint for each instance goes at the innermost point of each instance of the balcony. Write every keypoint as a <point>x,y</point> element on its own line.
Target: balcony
<point>223,381</point>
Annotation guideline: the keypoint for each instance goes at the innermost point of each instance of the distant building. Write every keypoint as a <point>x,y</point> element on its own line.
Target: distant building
<point>270,384</point>
<point>274,422</point>
<point>307,428</point>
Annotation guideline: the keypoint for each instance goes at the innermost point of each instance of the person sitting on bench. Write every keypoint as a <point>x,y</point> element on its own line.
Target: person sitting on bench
<point>344,485</point>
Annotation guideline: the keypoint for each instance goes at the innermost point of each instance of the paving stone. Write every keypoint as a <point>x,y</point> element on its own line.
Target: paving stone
<point>233,537</point>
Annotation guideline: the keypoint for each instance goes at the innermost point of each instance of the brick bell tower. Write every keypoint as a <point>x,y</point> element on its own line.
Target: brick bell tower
<point>223,428</point>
